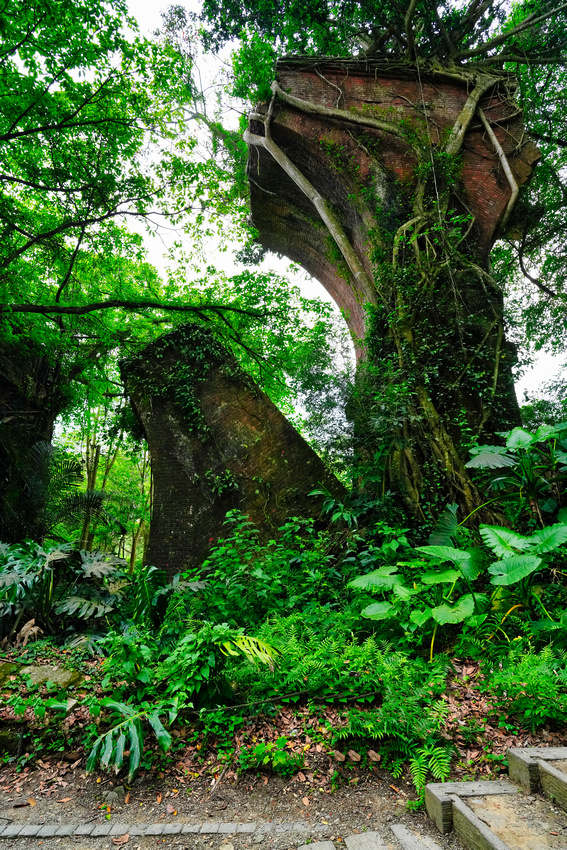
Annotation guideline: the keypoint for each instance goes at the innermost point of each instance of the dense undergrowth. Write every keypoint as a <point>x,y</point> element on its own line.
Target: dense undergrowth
<point>358,615</point>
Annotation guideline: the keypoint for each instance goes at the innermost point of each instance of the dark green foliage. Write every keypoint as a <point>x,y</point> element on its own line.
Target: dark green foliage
<point>57,587</point>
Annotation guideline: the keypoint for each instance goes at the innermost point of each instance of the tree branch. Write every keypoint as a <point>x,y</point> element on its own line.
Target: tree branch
<point>528,23</point>
<point>408,18</point>
<point>134,306</point>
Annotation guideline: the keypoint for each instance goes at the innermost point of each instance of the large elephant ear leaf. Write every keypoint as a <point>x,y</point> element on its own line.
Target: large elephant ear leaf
<point>377,578</point>
<point>377,611</point>
<point>446,613</point>
<point>519,438</point>
<point>548,539</point>
<point>445,528</point>
<point>491,460</point>
<point>502,541</point>
<point>514,569</point>
<point>445,553</point>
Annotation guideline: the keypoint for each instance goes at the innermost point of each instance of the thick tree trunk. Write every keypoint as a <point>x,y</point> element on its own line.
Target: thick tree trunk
<point>32,394</point>
<point>217,443</point>
<point>389,185</point>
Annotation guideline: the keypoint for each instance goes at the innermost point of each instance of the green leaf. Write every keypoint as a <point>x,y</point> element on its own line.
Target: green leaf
<point>136,744</point>
<point>162,735</point>
<point>544,432</point>
<point>446,613</point>
<point>377,578</point>
<point>519,438</point>
<point>514,569</point>
<point>403,593</point>
<point>119,753</point>
<point>445,577</point>
<point>445,553</point>
<point>490,460</point>
<point>502,541</point>
<point>471,568</point>
<point>446,527</point>
<point>107,751</point>
<point>420,617</point>
<point>92,759</point>
<point>548,539</point>
<point>377,611</point>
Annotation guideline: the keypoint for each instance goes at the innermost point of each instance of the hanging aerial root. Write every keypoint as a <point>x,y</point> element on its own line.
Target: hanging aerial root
<point>506,168</point>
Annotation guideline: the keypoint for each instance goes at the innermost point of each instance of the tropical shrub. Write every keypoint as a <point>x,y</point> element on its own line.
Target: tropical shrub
<point>56,586</point>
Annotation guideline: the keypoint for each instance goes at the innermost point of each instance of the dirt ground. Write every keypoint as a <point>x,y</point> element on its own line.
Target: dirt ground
<point>60,793</point>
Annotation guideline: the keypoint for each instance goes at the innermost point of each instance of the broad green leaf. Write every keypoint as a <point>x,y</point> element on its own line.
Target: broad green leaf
<point>471,568</point>
<point>446,526</point>
<point>446,613</point>
<point>519,438</point>
<point>548,539</point>
<point>490,460</point>
<point>476,620</point>
<point>136,744</point>
<point>544,432</point>
<point>377,611</point>
<point>514,569</point>
<point>562,515</point>
<point>445,553</point>
<point>162,735</point>
<point>420,617</point>
<point>502,541</point>
<point>403,593</point>
<point>377,578</point>
<point>119,752</point>
<point>92,759</point>
<point>445,577</point>
<point>120,707</point>
<point>107,751</point>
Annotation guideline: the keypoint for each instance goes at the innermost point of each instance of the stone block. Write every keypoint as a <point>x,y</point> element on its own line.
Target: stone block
<point>66,829</point>
<point>365,841</point>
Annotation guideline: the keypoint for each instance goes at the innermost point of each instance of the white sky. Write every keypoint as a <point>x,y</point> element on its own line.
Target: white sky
<point>545,366</point>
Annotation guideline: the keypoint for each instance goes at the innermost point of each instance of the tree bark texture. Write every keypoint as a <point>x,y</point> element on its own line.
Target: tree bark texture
<point>389,184</point>
<point>32,394</point>
<point>217,443</point>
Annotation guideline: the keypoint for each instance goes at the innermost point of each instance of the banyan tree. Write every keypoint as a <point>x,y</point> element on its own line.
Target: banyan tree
<point>387,159</point>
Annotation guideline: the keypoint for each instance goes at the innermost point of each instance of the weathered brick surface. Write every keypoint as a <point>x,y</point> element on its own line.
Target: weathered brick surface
<point>345,161</point>
<point>271,466</point>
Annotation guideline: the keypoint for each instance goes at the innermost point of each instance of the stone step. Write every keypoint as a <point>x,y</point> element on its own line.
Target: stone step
<point>500,815</point>
<point>402,839</point>
<point>540,769</point>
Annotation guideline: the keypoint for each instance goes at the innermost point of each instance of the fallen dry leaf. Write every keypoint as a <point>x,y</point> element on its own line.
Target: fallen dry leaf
<point>171,810</point>
<point>32,801</point>
<point>127,798</point>
<point>64,800</point>
<point>353,755</point>
<point>121,839</point>
<point>159,798</point>
<point>301,776</point>
<point>306,801</point>
<point>374,756</point>
<point>339,756</point>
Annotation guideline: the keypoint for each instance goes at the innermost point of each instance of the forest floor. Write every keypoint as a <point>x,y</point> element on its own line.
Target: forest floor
<point>340,789</point>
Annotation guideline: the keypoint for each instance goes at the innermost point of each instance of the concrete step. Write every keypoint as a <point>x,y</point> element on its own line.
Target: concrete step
<point>508,815</point>
<point>402,838</point>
